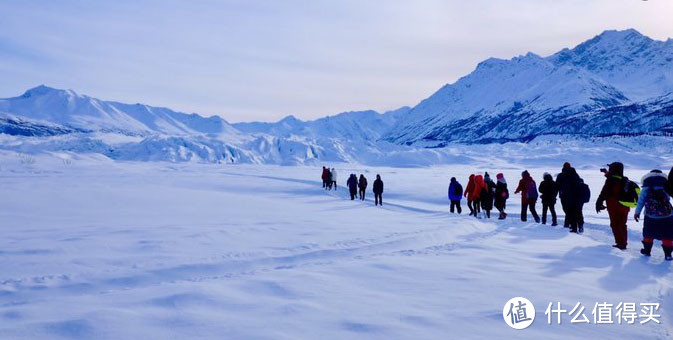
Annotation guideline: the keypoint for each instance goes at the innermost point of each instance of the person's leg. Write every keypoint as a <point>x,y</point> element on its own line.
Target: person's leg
<point>648,242</point>
<point>460,210</point>
<point>667,245</point>
<point>469,205</point>
<point>477,207</point>
<point>618,216</point>
<point>453,205</point>
<point>531,206</point>
<point>524,210</point>
<point>552,209</point>
<point>545,206</point>
<point>566,222</point>
<point>335,185</point>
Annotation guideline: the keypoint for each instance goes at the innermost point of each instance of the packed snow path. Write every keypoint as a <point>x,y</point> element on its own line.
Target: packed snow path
<point>103,250</point>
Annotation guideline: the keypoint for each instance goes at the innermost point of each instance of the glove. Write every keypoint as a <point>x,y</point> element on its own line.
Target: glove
<point>599,207</point>
<point>636,217</point>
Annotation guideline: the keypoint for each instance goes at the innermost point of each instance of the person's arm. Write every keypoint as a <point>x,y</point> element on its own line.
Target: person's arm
<point>519,187</point>
<point>641,203</point>
<point>600,201</point>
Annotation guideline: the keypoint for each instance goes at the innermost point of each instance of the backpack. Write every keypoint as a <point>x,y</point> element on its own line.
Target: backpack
<point>585,192</point>
<point>657,204</point>
<point>628,197</point>
<point>531,191</point>
<point>457,190</point>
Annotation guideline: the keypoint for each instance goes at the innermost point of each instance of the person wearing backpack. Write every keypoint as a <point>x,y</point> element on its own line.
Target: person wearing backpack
<point>612,194</point>
<point>487,194</point>
<point>352,185</point>
<point>362,185</point>
<point>528,189</point>
<point>469,193</point>
<point>548,192</point>
<point>658,223</point>
<point>378,190</point>
<point>479,185</point>
<point>455,195</point>
<point>501,195</point>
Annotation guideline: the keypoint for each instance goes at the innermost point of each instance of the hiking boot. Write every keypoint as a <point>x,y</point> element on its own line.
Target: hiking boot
<point>647,248</point>
<point>554,224</point>
<point>580,229</point>
<point>667,253</point>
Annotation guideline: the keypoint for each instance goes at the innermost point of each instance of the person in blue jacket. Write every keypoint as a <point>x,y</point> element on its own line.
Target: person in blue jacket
<point>455,195</point>
<point>658,223</point>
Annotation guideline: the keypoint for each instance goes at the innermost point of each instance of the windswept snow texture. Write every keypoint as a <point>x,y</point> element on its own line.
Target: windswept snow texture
<point>94,249</point>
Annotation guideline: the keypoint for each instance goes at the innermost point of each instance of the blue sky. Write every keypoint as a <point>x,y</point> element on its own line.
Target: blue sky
<point>261,60</point>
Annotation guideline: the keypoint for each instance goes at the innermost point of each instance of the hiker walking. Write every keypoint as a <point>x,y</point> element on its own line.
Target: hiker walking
<point>362,185</point>
<point>658,223</point>
<point>487,194</point>
<point>378,190</point>
<point>619,194</point>
<point>501,196</point>
<point>528,190</point>
<point>352,184</point>
<point>548,191</point>
<point>455,195</point>
<point>469,193</point>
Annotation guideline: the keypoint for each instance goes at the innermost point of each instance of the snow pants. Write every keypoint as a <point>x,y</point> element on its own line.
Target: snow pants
<point>529,204</point>
<point>378,198</point>
<point>618,217</point>
<point>552,209</point>
<point>455,206</point>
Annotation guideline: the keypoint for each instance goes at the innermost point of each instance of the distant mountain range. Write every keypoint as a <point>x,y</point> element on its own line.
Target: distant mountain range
<point>603,86</point>
<point>617,83</point>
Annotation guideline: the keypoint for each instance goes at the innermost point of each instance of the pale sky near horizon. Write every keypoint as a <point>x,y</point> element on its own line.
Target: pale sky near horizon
<point>262,60</point>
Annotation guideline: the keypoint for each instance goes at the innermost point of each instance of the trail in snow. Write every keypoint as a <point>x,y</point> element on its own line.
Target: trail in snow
<point>129,250</point>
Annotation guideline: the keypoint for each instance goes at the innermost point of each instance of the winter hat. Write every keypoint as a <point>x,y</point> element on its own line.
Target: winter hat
<point>453,179</point>
<point>499,176</point>
<point>566,165</point>
<point>525,174</point>
<point>616,168</point>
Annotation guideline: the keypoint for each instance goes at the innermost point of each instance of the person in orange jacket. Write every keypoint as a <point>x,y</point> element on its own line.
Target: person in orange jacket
<point>469,190</point>
<point>479,185</point>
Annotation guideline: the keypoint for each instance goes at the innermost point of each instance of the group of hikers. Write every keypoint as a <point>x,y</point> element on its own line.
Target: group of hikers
<point>356,186</point>
<point>618,196</point>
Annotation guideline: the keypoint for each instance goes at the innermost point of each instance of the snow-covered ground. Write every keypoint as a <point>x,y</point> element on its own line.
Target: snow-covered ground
<point>97,249</point>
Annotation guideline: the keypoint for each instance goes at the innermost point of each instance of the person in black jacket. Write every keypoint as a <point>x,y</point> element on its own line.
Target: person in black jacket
<point>487,194</point>
<point>501,196</point>
<point>378,190</point>
<point>548,192</point>
<point>352,184</point>
<point>362,185</point>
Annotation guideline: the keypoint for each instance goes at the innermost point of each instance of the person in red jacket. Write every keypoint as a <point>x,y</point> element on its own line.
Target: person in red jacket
<point>528,189</point>
<point>479,185</point>
<point>619,213</point>
<point>469,194</point>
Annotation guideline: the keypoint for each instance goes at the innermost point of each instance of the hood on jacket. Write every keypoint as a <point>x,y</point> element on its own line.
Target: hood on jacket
<point>525,174</point>
<point>453,180</point>
<point>547,177</point>
<point>654,178</point>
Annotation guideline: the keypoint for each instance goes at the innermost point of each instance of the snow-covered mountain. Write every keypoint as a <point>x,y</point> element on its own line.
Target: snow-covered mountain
<point>67,108</point>
<point>620,83</point>
<point>354,125</point>
<point>529,96</point>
